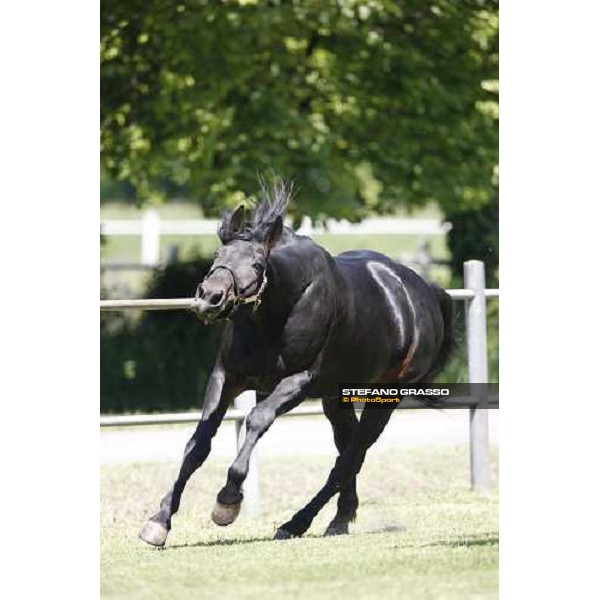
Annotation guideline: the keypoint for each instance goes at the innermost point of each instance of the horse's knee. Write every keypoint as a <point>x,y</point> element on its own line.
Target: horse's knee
<point>291,384</point>
<point>189,447</point>
<point>259,419</point>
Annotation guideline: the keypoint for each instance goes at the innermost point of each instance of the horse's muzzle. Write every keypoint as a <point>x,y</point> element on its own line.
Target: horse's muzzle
<point>214,295</point>
<point>209,304</point>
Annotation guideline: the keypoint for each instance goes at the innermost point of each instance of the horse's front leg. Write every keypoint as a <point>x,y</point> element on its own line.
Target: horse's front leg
<point>219,393</point>
<point>289,393</point>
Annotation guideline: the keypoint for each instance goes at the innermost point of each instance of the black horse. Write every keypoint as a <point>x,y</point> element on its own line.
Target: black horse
<point>299,322</point>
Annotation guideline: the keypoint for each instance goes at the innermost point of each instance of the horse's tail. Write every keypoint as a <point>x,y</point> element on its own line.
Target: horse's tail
<point>449,339</point>
<point>447,347</point>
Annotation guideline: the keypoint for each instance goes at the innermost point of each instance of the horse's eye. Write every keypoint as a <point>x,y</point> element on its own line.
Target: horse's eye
<point>258,267</point>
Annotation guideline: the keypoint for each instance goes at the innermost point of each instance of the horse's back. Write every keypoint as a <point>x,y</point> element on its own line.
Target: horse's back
<point>364,265</point>
<point>394,314</point>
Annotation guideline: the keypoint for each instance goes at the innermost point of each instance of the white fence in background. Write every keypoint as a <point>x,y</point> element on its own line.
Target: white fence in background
<point>474,296</point>
<point>151,227</point>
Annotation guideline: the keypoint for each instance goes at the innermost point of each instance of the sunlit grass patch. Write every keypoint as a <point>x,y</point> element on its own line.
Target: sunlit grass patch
<point>420,533</point>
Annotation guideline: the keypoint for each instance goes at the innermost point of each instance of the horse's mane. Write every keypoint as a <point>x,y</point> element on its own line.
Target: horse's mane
<point>273,204</point>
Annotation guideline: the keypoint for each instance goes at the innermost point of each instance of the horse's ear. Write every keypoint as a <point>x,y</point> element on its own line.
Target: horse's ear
<point>236,223</point>
<point>232,224</point>
<point>274,234</point>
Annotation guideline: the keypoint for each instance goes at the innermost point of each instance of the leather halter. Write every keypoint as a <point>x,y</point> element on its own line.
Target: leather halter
<point>238,299</point>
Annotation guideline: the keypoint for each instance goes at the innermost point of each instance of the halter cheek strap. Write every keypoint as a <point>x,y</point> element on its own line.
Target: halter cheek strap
<point>256,298</point>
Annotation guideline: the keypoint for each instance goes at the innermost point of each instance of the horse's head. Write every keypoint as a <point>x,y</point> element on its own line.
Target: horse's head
<point>238,274</point>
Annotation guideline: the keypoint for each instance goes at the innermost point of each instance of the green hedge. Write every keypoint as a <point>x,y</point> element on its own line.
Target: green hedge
<point>157,361</point>
<point>474,235</point>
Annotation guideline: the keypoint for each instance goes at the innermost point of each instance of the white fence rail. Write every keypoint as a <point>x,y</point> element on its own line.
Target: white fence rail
<point>474,295</point>
<point>188,303</point>
<point>151,227</point>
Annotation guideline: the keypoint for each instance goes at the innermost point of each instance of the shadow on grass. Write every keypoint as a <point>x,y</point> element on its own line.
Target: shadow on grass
<point>388,528</point>
<point>269,538</point>
<point>491,539</point>
<point>227,542</point>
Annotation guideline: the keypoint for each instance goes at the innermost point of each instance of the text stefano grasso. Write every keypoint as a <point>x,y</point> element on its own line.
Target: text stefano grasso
<point>414,391</point>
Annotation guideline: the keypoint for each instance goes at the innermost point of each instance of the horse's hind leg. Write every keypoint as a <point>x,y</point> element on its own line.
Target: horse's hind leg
<point>372,422</point>
<point>344,423</point>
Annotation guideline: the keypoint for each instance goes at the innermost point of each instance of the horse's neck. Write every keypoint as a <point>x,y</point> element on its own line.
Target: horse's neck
<point>292,268</point>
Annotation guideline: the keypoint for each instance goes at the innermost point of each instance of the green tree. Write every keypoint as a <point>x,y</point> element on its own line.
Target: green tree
<point>474,235</point>
<point>368,105</point>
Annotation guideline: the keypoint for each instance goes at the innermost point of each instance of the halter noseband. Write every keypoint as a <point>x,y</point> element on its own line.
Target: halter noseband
<point>238,300</point>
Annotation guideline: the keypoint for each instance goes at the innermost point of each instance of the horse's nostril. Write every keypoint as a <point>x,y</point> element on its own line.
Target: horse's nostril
<point>216,298</point>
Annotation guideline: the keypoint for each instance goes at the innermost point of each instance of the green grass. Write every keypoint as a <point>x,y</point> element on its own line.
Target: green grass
<point>420,533</point>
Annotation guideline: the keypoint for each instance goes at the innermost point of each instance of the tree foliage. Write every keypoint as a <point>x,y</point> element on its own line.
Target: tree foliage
<point>474,235</point>
<point>368,105</point>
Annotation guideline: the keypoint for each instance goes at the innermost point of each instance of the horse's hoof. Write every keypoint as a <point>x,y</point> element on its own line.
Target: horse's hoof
<point>336,529</point>
<point>283,534</point>
<point>225,514</point>
<point>154,533</point>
